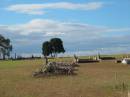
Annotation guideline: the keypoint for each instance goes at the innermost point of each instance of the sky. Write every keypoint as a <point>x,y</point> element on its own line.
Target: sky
<point>85,26</point>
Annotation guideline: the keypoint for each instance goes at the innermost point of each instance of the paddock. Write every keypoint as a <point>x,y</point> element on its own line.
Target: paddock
<point>101,78</point>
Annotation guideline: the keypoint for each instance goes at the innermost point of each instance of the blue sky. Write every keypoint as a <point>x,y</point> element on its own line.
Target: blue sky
<point>85,26</point>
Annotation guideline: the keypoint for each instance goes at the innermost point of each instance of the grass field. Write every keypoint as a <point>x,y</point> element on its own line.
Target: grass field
<point>102,79</point>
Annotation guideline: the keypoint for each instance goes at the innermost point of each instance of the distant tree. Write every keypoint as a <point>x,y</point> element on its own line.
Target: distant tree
<point>5,47</point>
<point>57,46</point>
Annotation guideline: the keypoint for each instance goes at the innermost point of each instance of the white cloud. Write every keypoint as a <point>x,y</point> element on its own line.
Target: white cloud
<point>56,28</point>
<point>76,36</point>
<point>118,30</point>
<point>39,9</point>
<point>105,51</point>
<point>54,33</point>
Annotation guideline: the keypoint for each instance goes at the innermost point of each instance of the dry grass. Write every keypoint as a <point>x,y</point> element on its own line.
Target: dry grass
<point>92,80</point>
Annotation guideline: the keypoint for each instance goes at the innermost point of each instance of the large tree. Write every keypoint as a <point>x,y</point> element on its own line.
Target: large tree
<point>57,46</point>
<point>5,47</point>
<point>54,46</point>
<point>46,48</point>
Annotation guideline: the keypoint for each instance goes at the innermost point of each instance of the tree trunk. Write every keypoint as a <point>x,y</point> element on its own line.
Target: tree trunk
<point>46,60</point>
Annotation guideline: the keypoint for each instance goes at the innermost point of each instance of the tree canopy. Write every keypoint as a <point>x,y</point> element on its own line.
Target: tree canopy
<point>5,47</point>
<point>57,45</point>
<point>53,47</point>
<point>46,48</point>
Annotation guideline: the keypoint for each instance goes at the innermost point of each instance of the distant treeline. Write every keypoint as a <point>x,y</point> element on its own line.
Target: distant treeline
<point>26,58</point>
<point>18,57</point>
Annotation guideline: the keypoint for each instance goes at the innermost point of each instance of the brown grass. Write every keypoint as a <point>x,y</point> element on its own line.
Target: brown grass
<point>92,80</point>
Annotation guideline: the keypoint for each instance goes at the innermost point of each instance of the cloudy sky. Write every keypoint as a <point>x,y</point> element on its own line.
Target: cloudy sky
<point>85,26</point>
